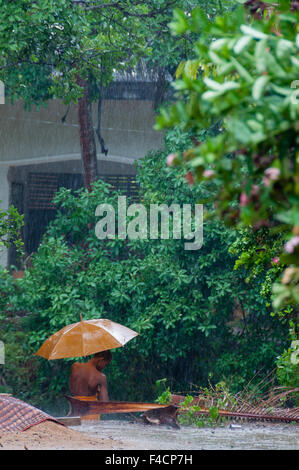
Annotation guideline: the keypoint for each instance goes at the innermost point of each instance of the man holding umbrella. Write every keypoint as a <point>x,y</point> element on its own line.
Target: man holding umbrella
<point>85,338</point>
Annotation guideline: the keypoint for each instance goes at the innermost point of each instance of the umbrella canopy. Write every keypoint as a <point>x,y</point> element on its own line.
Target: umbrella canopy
<point>84,338</point>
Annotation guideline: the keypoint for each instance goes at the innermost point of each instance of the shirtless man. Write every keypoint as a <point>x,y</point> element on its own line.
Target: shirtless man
<point>87,380</point>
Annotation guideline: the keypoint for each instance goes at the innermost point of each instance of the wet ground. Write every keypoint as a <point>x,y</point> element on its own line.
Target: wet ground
<point>248,436</point>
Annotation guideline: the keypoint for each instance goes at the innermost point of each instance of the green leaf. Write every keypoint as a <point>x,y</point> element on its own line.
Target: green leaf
<point>215,58</point>
<point>259,87</point>
<point>281,90</point>
<point>274,67</point>
<point>179,71</point>
<point>240,131</point>
<point>218,44</point>
<point>222,89</point>
<point>214,413</point>
<point>242,44</point>
<point>260,54</point>
<point>248,30</point>
<point>289,217</point>
<point>200,20</point>
<point>242,71</point>
<point>212,84</point>
<point>284,48</point>
<point>191,69</point>
<point>179,24</point>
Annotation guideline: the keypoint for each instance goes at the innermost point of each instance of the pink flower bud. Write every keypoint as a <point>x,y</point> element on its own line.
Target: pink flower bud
<point>272,173</point>
<point>291,244</point>
<point>244,199</point>
<point>170,159</point>
<point>275,260</point>
<point>208,173</point>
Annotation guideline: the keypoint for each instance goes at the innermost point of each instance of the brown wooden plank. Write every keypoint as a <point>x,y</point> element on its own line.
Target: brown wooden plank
<point>69,420</point>
<point>95,406</point>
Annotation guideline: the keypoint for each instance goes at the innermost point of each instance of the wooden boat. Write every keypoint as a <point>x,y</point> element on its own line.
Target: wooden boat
<point>90,408</point>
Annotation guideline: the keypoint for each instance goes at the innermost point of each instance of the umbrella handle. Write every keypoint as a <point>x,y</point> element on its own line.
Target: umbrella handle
<point>81,317</point>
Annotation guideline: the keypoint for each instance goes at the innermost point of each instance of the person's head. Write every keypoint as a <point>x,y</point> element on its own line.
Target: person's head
<point>102,359</point>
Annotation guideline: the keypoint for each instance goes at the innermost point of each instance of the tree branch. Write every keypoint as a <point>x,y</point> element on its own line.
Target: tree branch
<point>104,149</point>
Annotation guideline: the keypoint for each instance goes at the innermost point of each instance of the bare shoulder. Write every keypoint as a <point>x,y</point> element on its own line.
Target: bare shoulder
<point>98,378</point>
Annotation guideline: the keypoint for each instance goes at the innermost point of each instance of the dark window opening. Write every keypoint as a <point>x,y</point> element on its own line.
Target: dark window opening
<point>39,209</point>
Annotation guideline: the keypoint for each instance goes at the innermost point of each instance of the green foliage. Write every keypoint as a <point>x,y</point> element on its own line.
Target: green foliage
<point>72,39</point>
<point>288,364</point>
<point>215,398</point>
<point>194,312</point>
<point>187,414</point>
<point>69,41</point>
<point>287,373</point>
<point>182,303</point>
<point>243,78</point>
<point>11,223</point>
<point>10,227</point>
<point>164,396</point>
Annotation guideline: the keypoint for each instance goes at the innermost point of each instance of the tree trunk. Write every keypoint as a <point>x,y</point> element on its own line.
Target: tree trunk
<point>87,138</point>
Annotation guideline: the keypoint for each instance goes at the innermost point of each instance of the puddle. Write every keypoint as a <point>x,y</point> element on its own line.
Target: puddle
<point>137,436</point>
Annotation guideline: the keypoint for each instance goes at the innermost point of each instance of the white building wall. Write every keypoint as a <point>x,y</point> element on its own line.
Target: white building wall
<point>126,126</point>
<point>39,137</point>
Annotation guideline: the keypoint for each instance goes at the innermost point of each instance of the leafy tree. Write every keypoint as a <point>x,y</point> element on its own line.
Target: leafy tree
<point>74,45</point>
<point>242,80</point>
<point>75,48</point>
<point>195,315</point>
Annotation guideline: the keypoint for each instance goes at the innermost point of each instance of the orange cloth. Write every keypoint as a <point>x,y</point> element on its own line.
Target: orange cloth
<point>82,398</point>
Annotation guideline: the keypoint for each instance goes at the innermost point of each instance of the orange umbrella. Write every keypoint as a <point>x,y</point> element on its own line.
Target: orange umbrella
<point>84,338</point>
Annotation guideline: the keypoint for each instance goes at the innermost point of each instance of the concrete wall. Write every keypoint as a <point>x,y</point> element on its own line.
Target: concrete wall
<point>127,128</point>
<point>38,141</point>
